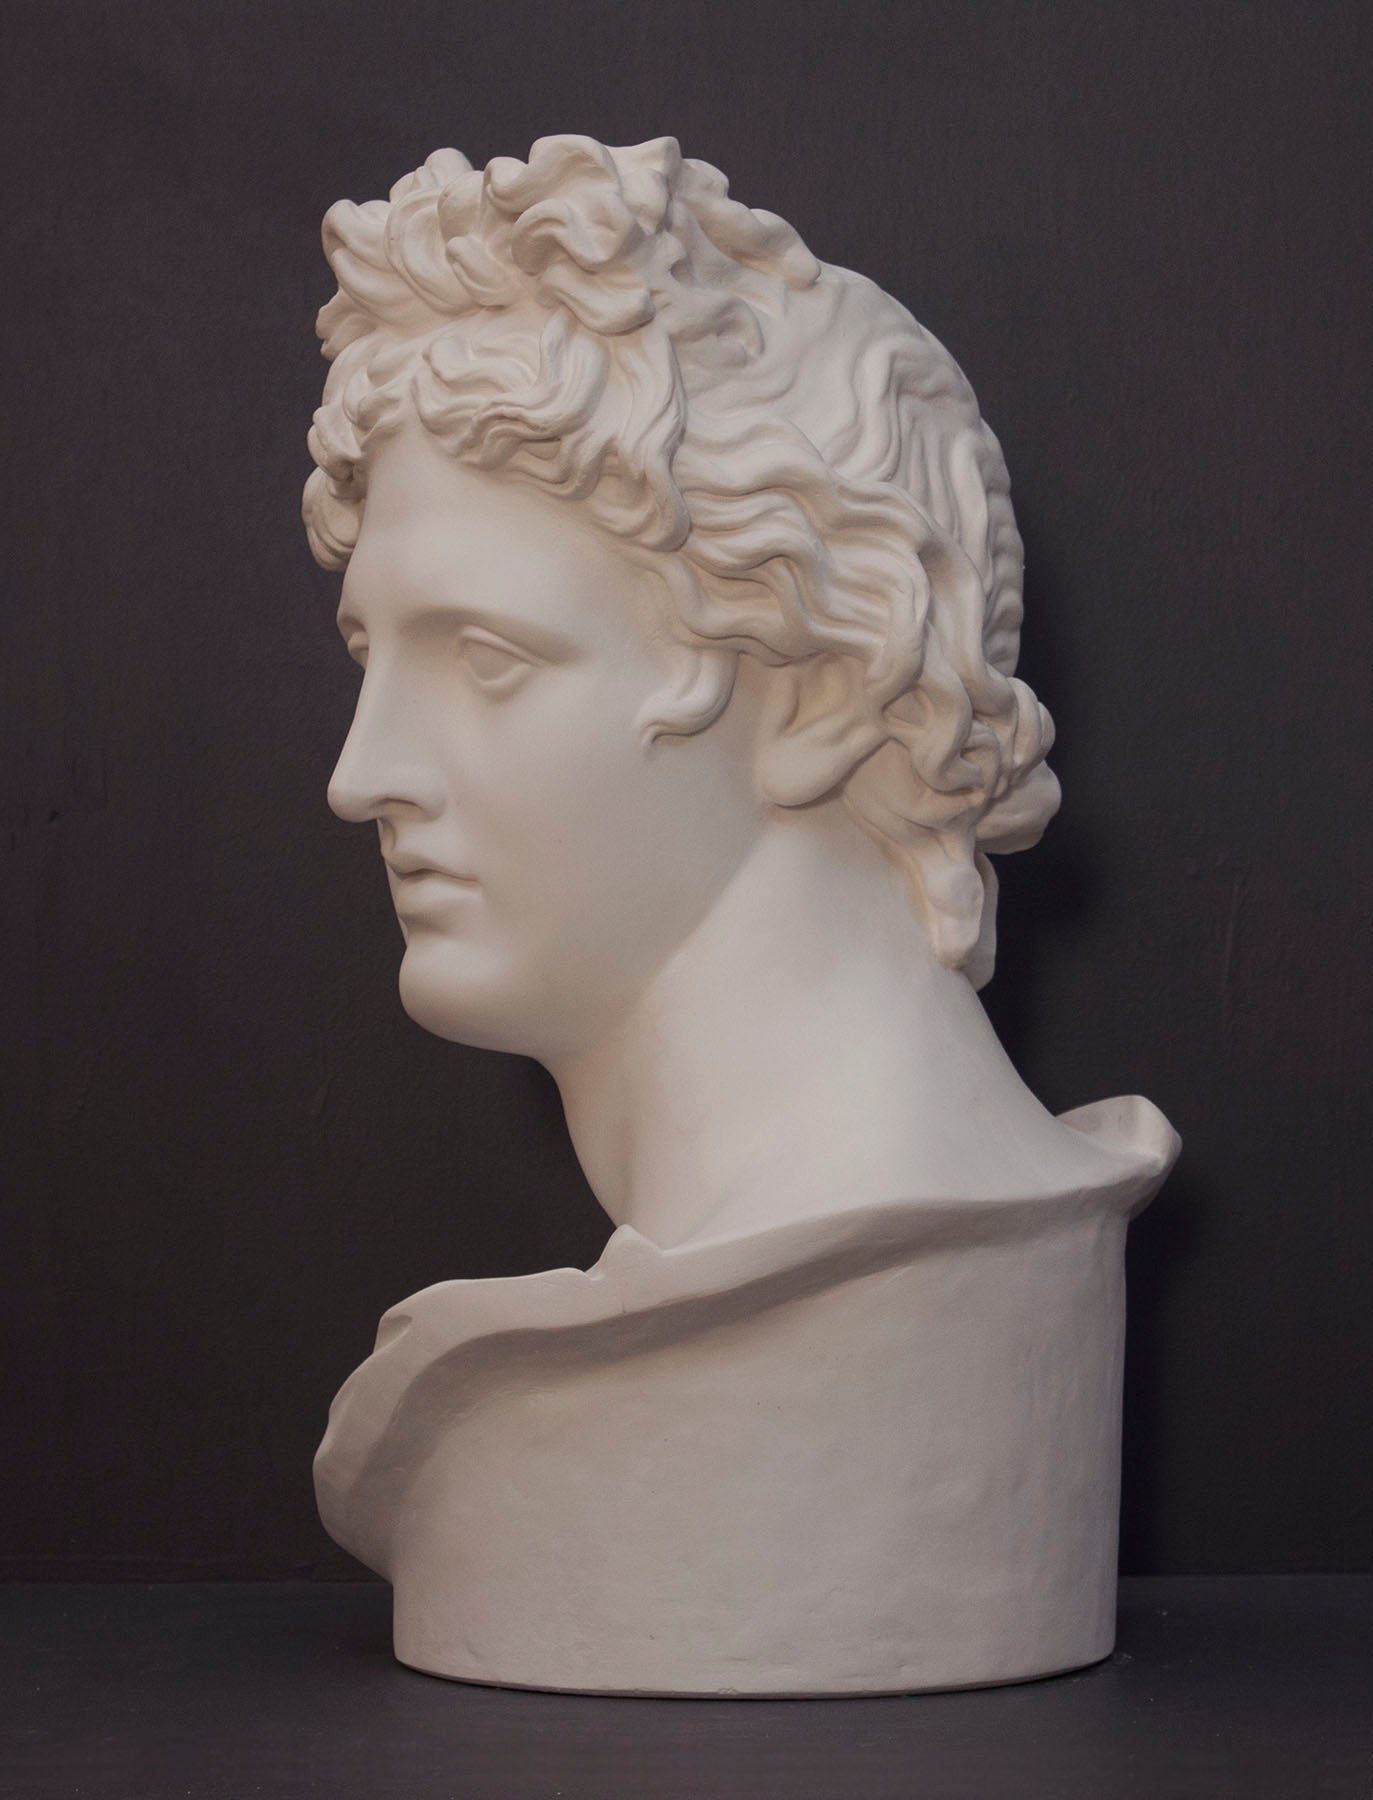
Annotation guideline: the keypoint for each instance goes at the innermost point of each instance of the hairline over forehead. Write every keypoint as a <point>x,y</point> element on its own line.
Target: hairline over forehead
<point>518,573</point>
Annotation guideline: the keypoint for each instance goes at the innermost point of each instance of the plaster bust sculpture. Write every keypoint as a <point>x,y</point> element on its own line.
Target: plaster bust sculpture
<point>685,579</point>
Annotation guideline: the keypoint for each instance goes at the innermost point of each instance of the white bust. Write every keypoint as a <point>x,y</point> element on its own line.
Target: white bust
<point>684,576</point>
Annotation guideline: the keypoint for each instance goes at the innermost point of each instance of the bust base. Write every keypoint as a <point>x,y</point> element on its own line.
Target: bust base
<point>828,1693</point>
<point>872,1453</point>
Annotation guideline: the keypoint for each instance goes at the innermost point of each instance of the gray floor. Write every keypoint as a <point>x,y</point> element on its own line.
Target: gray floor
<point>1220,1686</point>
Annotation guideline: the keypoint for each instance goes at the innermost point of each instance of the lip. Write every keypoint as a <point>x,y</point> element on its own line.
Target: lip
<point>408,869</point>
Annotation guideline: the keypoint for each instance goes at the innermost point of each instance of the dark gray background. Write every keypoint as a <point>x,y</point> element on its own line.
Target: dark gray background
<point>1144,232</point>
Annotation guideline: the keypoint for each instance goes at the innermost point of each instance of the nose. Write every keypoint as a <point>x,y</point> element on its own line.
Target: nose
<point>382,770</point>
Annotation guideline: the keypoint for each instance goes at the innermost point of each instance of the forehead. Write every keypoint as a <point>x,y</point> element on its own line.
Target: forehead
<point>438,535</point>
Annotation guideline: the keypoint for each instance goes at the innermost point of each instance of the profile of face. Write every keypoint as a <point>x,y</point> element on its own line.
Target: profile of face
<point>545,853</point>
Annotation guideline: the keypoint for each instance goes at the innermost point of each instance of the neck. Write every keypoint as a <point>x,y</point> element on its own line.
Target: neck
<point>801,1053</point>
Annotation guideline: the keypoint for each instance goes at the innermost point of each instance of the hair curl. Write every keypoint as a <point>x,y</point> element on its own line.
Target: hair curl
<point>609,324</point>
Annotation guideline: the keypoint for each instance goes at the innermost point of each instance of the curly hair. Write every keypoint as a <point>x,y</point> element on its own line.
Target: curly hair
<point>805,464</point>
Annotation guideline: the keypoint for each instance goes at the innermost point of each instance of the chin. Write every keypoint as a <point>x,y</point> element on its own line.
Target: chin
<point>444,990</point>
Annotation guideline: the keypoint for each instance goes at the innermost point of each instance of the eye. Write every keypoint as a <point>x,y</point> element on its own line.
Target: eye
<point>495,667</point>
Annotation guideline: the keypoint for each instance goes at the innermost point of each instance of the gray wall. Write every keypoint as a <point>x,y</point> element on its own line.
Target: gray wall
<point>1143,230</point>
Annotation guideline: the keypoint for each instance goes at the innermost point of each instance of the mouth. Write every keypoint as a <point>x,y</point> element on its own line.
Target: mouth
<point>412,874</point>
<point>427,898</point>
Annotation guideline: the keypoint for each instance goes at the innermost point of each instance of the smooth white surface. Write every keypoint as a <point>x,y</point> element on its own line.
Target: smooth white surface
<point>684,578</point>
<point>863,1454</point>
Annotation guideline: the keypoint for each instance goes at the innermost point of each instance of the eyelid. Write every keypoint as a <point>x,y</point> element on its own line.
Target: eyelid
<point>477,634</point>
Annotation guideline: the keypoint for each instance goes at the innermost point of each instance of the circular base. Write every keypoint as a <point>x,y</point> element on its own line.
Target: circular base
<point>806,1693</point>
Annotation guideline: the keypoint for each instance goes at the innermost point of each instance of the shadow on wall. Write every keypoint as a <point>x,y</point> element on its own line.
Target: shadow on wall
<point>1160,1241</point>
<point>1052,899</point>
<point>1050,894</point>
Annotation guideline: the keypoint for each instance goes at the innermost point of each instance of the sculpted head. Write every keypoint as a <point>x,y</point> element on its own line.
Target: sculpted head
<point>601,445</point>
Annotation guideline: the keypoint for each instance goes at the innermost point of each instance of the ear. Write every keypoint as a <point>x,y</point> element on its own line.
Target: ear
<point>818,724</point>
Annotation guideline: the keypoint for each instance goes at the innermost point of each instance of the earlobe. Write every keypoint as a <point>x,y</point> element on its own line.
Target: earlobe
<point>818,724</point>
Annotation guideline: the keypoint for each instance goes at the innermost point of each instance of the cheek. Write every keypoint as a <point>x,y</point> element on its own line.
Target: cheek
<point>590,843</point>
<point>558,772</point>
<point>633,844</point>
<point>582,824</point>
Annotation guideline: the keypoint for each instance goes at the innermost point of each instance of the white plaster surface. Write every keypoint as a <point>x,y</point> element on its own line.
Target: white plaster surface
<point>873,1453</point>
<point>683,575</point>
